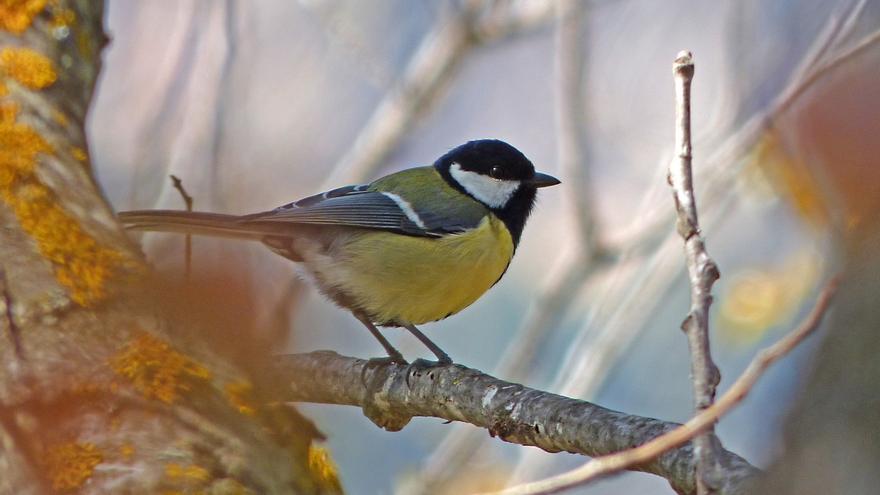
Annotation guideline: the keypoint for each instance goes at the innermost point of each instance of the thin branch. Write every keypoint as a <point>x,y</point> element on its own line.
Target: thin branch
<point>702,273</point>
<point>391,394</point>
<point>627,459</point>
<point>188,200</point>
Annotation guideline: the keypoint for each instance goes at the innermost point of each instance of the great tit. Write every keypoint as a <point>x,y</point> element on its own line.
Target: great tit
<point>409,248</point>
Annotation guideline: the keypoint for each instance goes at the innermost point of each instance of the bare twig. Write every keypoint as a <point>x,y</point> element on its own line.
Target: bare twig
<point>627,459</point>
<point>391,394</point>
<point>702,272</point>
<point>188,200</point>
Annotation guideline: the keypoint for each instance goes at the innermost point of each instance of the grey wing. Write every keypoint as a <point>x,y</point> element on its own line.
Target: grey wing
<point>349,206</point>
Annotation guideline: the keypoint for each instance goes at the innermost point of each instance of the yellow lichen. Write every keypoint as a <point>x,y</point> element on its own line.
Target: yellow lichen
<point>156,369</point>
<point>59,117</point>
<point>28,67</point>
<point>3,89</point>
<point>69,465</point>
<point>323,468</point>
<point>239,394</point>
<point>81,264</point>
<point>79,154</point>
<point>62,17</point>
<point>189,473</point>
<point>16,15</point>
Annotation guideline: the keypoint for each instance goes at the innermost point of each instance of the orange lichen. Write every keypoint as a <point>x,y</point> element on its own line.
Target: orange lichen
<point>156,369</point>
<point>239,394</point>
<point>30,68</point>
<point>127,451</point>
<point>70,464</point>
<point>81,264</point>
<point>189,473</point>
<point>323,468</point>
<point>16,15</point>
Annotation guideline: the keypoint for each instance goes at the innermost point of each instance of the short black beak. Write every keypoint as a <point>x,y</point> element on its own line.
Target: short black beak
<point>542,180</point>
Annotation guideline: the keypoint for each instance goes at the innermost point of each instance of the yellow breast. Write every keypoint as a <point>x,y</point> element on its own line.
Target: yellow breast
<point>408,279</point>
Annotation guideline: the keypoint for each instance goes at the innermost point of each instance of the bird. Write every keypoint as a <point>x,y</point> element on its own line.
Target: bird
<point>409,248</point>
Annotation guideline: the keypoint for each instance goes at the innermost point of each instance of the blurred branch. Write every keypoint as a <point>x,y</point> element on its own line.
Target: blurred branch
<point>702,272</point>
<point>703,421</point>
<point>152,162</point>
<point>571,53</point>
<point>436,60</point>
<point>223,97</point>
<point>391,394</point>
<point>820,59</point>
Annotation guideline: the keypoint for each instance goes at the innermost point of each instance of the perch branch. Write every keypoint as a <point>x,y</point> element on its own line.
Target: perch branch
<point>702,273</point>
<point>391,394</point>
<point>604,466</point>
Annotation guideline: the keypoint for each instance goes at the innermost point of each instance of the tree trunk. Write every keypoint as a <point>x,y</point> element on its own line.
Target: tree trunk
<point>109,383</point>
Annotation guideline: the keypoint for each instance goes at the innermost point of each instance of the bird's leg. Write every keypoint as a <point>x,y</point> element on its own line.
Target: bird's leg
<point>442,357</point>
<point>393,353</point>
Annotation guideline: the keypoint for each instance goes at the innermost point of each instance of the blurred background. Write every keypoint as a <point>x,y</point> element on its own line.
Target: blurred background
<point>254,104</point>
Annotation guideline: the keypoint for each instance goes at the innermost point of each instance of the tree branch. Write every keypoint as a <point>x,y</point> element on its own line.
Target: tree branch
<point>603,466</point>
<point>428,73</point>
<point>702,272</point>
<point>392,394</point>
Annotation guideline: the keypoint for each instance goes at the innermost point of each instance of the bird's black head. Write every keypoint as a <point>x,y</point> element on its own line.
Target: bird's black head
<point>497,175</point>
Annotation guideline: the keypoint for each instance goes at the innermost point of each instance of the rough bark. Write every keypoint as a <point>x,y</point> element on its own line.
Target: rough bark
<point>101,389</point>
<point>391,394</point>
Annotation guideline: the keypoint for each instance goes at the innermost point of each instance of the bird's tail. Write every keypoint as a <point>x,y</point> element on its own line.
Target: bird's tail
<point>197,223</point>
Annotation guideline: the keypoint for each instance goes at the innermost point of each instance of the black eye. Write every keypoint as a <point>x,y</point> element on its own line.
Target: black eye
<point>496,172</point>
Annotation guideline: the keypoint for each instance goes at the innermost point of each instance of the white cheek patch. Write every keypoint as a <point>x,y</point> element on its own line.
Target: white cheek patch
<point>406,208</point>
<point>493,192</point>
